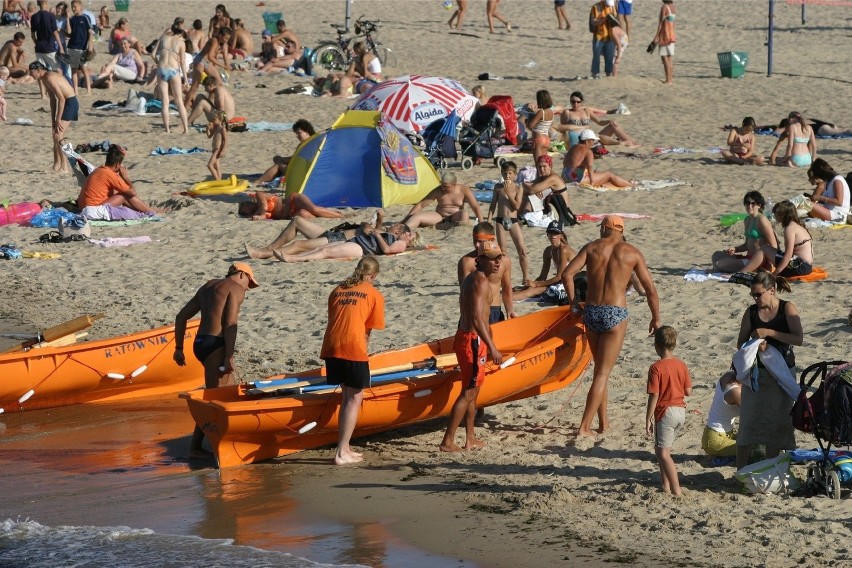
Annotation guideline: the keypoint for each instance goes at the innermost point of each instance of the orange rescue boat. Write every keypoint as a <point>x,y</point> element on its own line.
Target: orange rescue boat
<point>545,351</point>
<point>123,367</point>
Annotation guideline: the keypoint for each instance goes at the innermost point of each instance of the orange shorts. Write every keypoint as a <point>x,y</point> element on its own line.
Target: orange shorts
<point>471,353</point>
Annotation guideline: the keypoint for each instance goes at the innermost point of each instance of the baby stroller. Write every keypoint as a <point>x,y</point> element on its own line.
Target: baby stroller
<point>827,413</point>
<point>440,139</point>
<point>490,126</point>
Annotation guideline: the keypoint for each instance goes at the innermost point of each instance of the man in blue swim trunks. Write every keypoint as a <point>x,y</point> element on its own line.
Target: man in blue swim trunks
<point>219,302</point>
<point>610,262</point>
<point>64,109</point>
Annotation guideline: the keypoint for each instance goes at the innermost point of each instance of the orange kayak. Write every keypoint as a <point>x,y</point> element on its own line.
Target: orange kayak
<point>244,425</point>
<point>127,366</point>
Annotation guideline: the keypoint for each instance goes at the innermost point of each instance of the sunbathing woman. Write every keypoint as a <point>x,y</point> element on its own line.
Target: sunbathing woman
<point>267,206</point>
<point>367,241</point>
<point>364,73</point>
<point>316,236</point>
<point>741,145</point>
<point>540,122</point>
<point>797,258</point>
<point>578,164</point>
<point>831,197</point>
<point>557,254</point>
<point>759,236</point>
<point>801,144</point>
<point>578,118</point>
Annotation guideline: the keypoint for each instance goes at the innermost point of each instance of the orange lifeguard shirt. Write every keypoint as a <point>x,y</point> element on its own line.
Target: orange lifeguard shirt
<point>351,312</point>
<point>668,378</point>
<point>101,184</point>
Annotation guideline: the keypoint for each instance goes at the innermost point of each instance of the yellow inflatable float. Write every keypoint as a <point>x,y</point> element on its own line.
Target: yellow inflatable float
<point>219,187</point>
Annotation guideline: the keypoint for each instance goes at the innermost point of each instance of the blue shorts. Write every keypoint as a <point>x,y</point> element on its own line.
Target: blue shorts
<point>625,8</point>
<point>601,319</point>
<point>495,315</point>
<point>558,3</point>
<point>71,110</point>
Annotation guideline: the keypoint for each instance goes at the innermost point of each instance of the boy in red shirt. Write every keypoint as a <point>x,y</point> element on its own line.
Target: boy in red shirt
<point>668,384</point>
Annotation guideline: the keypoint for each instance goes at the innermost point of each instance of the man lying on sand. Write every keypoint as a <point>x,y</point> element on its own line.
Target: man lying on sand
<point>451,197</point>
<point>267,206</point>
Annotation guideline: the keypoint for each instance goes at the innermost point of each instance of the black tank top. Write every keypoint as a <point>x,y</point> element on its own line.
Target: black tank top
<point>778,323</point>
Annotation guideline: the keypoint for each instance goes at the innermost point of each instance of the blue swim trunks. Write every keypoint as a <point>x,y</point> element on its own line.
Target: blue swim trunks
<point>71,110</point>
<point>625,7</point>
<point>601,319</point>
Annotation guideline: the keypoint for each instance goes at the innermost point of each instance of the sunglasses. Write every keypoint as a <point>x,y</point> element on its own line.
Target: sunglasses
<point>757,295</point>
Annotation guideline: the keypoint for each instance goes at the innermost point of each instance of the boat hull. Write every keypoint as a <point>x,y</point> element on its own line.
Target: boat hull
<point>551,352</point>
<point>98,371</point>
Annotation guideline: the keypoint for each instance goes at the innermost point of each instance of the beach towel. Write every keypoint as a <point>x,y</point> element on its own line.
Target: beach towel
<point>110,242</point>
<point>264,126</point>
<point>41,255</point>
<point>596,217</point>
<point>641,185</point>
<point>771,132</point>
<point>817,274</point>
<point>745,364</point>
<point>696,275</point>
<point>175,151</point>
<point>113,213</point>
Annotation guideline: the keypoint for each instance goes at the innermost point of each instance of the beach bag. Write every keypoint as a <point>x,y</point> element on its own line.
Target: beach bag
<point>75,227</point>
<point>769,476</point>
<point>805,409</point>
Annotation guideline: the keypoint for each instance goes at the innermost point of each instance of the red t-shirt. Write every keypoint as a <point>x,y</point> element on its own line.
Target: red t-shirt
<point>101,184</point>
<point>668,378</point>
<point>351,312</point>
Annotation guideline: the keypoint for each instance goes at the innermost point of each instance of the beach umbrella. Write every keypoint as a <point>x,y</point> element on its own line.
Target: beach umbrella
<point>412,102</point>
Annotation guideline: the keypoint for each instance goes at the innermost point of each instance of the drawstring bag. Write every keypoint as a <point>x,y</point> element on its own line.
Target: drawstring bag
<point>769,476</point>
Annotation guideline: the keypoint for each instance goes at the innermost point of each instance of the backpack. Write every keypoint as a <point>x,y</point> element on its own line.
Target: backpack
<point>840,409</point>
<point>806,409</point>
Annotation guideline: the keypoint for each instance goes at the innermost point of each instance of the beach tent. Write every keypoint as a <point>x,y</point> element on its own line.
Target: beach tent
<point>361,161</point>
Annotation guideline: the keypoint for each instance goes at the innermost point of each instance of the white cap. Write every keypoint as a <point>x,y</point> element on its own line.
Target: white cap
<point>610,2</point>
<point>588,134</point>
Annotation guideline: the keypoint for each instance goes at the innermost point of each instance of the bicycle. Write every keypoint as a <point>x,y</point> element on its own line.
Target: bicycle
<point>336,56</point>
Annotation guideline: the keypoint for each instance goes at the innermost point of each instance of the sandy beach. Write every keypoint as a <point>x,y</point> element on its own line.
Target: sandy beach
<point>530,497</point>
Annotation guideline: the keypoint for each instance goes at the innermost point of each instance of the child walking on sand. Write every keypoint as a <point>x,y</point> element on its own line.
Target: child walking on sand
<point>4,75</point>
<point>217,130</point>
<point>668,384</point>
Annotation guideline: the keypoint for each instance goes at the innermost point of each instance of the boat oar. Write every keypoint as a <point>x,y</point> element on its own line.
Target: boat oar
<point>384,373</point>
<point>57,332</point>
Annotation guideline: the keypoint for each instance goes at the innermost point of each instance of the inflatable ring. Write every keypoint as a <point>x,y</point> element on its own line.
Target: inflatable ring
<point>219,187</point>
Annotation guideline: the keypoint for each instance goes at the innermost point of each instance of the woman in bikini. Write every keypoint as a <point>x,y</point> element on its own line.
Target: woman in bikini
<point>367,241</point>
<point>801,143</point>
<point>760,242</point>
<point>364,73</point>
<point>797,258</point>
<point>220,19</point>
<point>540,122</point>
<point>578,117</point>
<point>170,58</point>
<point>741,144</point>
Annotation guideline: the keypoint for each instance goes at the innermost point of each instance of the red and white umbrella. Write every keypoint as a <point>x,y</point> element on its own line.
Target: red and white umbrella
<point>412,102</point>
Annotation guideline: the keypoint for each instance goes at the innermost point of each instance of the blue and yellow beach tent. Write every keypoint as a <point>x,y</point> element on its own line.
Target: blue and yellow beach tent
<point>342,167</point>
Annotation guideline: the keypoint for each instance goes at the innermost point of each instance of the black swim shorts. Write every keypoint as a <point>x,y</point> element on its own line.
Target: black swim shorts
<point>353,374</point>
<point>71,110</point>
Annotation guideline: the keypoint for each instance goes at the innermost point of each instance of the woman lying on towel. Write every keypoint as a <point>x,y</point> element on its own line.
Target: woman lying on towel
<point>760,242</point>
<point>267,206</point>
<point>367,241</point>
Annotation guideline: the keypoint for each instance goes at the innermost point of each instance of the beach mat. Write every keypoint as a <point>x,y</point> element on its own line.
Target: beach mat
<point>641,185</point>
<point>818,273</point>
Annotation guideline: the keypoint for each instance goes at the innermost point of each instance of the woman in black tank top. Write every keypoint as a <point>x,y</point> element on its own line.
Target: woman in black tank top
<point>765,413</point>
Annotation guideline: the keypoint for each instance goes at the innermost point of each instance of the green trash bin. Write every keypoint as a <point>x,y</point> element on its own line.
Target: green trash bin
<point>270,21</point>
<point>733,63</point>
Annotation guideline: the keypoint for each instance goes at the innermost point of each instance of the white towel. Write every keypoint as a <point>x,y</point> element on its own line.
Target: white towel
<point>746,358</point>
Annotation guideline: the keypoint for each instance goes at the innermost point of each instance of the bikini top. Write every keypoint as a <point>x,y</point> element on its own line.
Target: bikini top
<point>579,121</point>
<point>798,140</point>
<point>543,126</point>
<point>751,230</point>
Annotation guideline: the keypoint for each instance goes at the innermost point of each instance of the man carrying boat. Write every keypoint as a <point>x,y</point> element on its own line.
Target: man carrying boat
<point>610,263</point>
<point>473,344</point>
<point>219,302</point>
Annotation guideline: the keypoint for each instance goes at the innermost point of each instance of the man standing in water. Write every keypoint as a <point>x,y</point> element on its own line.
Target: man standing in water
<point>219,302</point>
<point>473,344</point>
<point>610,262</point>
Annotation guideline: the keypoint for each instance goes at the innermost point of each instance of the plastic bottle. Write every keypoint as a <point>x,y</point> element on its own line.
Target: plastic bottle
<point>18,213</point>
<point>768,210</point>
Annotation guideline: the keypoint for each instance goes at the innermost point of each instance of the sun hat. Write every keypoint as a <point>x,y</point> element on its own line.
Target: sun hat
<point>245,269</point>
<point>588,134</point>
<point>490,249</point>
<point>613,222</point>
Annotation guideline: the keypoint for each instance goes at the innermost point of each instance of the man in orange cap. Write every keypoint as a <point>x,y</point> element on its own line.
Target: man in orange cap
<point>219,302</point>
<point>610,262</point>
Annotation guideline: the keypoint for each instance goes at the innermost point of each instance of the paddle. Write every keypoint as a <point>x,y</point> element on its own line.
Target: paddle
<point>436,362</point>
<point>57,332</point>
<point>289,388</point>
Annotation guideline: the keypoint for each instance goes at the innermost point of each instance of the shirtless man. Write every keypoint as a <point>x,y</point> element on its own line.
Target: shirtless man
<point>207,60</point>
<point>64,109</point>
<point>219,302</point>
<point>500,281</point>
<point>578,164</point>
<point>12,56</point>
<point>557,254</point>
<point>268,206</point>
<point>451,197</point>
<point>545,184</point>
<point>218,97</point>
<point>609,262</point>
<point>473,344</point>
<point>241,43</point>
<point>507,200</point>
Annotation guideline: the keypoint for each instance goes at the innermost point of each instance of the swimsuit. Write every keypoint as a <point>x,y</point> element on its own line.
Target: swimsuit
<point>752,231</point>
<point>601,319</point>
<point>542,129</point>
<point>507,222</point>
<point>369,83</point>
<point>495,315</point>
<point>471,353</point>
<point>796,266</point>
<point>573,174</point>
<point>801,160</point>
<point>334,236</point>
<point>71,110</point>
<point>167,74</point>
<point>205,345</point>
